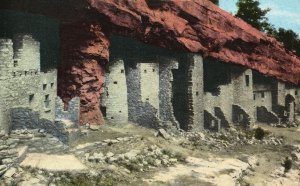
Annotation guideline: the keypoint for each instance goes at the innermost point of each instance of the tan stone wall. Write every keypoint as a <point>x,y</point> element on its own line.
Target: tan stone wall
<point>263,98</point>
<point>115,95</point>
<point>149,79</point>
<point>195,91</point>
<point>26,53</point>
<point>23,85</point>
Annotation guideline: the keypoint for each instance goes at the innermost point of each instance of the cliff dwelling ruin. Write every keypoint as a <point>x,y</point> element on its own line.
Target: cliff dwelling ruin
<point>143,84</point>
<point>159,88</point>
<point>144,92</point>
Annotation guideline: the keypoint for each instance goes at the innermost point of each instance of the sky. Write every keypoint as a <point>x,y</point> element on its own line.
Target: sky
<point>284,13</point>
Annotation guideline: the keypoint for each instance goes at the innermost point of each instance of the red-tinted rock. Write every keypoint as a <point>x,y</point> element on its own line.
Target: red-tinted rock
<point>201,27</point>
<point>189,25</point>
<point>83,48</point>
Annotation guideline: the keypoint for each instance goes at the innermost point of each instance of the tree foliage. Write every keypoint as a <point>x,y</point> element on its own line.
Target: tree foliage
<point>249,11</point>
<point>289,39</point>
<point>215,2</point>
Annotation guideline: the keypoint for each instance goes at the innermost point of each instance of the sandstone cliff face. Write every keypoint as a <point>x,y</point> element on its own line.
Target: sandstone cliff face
<point>201,27</point>
<point>193,26</point>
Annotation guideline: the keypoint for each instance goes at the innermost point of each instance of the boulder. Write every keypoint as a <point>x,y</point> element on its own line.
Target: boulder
<point>164,134</point>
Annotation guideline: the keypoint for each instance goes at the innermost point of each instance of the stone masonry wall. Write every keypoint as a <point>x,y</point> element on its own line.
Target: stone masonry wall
<point>223,101</point>
<point>238,91</point>
<point>141,112</point>
<point>166,111</point>
<point>195,93</point>
<point>266,116</point>
<point>115,94</point>
<point>281,93</point>
<point>6,58</point>
<point>24,88</point>
<point>219,105</point>
<point>149,78</point>
<point>26,53</point>
<point>28,92</point>
<point>243,92</point>
<point>263,98</point>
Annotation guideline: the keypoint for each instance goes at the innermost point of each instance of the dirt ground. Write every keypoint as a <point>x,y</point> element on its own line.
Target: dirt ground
<point>132,155</point>
<point>269,157</point>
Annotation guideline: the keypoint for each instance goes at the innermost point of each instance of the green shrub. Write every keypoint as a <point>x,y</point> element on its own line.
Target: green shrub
<point>259,133</point>
<point>287,164</point>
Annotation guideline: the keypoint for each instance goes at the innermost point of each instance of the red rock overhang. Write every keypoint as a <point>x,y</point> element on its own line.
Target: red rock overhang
<point>196,26</point>
<point>199,26</point>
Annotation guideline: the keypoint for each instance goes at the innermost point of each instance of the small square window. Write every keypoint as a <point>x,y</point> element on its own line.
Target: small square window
<point>120,111</point>
<point>262,95</point>
<point>122,71</point>
<point>153,70</point>
<point>44,86</point>
<point>145,71</point>
<point>253,96</point>
<point>47,101</point>
<point>115,82</point>
<point>31,97</point>
<point>26,73</point>
<point>15,63</point>
<point>52,84</point>
<point>296,92</point>
<point>197,93</point>
<point>147,99</point>
<point>247,78</point>
<point>14,74</point>
<point>112,118</point>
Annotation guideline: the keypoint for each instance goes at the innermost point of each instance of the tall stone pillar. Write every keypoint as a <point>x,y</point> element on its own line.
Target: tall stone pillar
<point>195,93</point>
<point>84,52</point>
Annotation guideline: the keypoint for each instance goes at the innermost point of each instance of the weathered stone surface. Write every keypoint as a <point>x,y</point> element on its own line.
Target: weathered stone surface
<point>215,171</point>
<point>164,134</point>
<point>201,27</point>
<point>193,26</point>
<point>83,48</point>
<point>53,162</point>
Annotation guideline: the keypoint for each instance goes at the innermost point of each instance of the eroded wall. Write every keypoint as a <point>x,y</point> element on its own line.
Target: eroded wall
<point>114,101</point>
<point>28,88</point>
<point>243,96</point>
<point>195,93</point>
<point>144,112</point>
<point>166,81</point>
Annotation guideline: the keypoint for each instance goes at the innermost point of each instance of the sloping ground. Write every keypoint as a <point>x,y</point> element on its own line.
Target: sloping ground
<point>215,171</point>
<point>131,155</point>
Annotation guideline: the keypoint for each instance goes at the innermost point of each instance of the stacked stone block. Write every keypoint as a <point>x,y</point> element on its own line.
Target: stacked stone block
<point>8,153</point>
<point>115,94</point>
<point>26,53</point>
<point>195,93</point>
<point>22,83</point>
<point>6,58</point>
<point>149,81</point>
<point>166,80</point>
<point>243,105</point>
<point>144,112</point>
